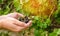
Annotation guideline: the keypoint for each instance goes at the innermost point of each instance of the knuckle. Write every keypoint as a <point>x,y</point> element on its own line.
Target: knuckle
<point>22,23</point>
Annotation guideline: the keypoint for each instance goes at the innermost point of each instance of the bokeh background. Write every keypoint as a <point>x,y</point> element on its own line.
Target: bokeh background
<point>45,15</point>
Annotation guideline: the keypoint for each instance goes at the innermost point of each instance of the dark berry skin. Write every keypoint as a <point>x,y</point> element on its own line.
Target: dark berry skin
<point>25,19</point>
<point>21,19</point>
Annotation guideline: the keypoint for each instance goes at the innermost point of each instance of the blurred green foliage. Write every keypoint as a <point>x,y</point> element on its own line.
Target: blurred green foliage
<point>39,24</point>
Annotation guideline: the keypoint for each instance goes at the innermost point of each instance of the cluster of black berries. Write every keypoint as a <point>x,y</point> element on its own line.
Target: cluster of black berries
<point>25,19</point>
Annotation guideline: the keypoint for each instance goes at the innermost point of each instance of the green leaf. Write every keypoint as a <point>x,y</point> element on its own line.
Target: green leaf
<point>55,32</point>
<point>17,4</point>
<point>1,1</point>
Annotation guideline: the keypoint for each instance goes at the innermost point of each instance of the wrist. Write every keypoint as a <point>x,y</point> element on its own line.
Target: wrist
<point>0,23</point>
<point>2,17</point>
<point>1,20</point>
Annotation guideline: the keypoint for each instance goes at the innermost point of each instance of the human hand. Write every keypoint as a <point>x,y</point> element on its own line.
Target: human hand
<point>10,22</point>
<point>15,15</point>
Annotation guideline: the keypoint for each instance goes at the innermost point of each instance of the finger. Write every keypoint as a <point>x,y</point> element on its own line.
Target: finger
<point>15,15</point>
<point>28,24</point>
<point>19,23</point>
<point>20,15</point>
<point>12,15</point>
<point>13,27</point>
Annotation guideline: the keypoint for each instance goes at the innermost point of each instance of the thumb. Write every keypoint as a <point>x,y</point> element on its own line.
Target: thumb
<point>15,15</point>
